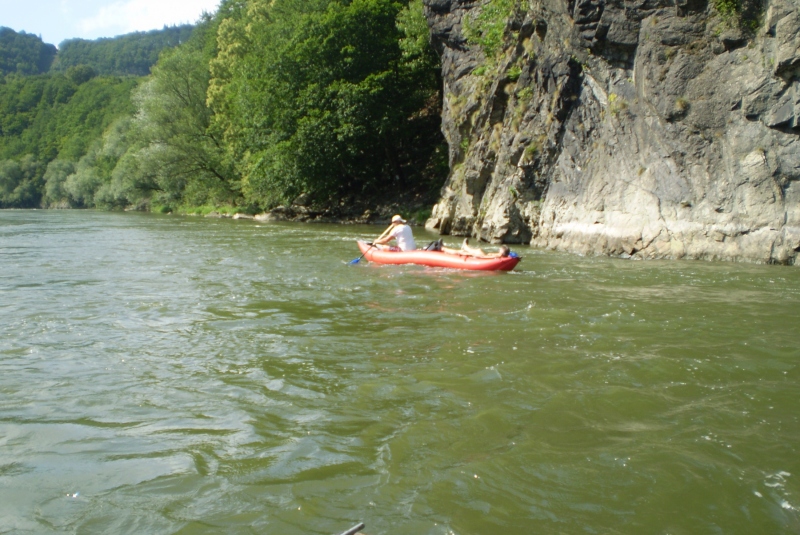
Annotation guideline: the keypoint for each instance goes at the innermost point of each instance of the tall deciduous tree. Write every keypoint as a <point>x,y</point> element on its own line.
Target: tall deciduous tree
<point>21,182</point>
<point>320,97</point>
<point>175,152</point>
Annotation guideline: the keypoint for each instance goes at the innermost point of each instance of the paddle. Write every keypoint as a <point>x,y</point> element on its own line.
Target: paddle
<point>354,530</point>
<point>371,245</point>
<point>357,260</point>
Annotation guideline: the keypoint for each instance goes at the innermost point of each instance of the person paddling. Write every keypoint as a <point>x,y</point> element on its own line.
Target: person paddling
<point>400,232</point>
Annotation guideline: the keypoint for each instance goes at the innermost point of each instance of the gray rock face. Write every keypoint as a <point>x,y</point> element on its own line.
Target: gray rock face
<point>652,129</point>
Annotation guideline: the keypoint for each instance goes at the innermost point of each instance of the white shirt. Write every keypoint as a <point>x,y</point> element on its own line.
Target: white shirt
<point>404,237</point>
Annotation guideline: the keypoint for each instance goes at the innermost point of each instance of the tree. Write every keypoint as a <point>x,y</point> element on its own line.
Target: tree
<point>321,98</point>
<point>21,183</point>
<point>175,152</point>
<point>55,177</point>
<point>80,74</point>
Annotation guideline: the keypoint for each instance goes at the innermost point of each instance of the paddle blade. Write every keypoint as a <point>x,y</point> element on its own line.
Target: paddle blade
<point>356,261</point>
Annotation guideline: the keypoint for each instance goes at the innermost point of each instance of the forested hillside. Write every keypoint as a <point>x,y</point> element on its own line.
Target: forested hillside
<point>53,115</point>
<point>267,101</point>
<point>132,54</point>
<point>24,53</point>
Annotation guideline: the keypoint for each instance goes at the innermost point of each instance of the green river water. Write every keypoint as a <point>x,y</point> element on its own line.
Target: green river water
<point>177,375</point>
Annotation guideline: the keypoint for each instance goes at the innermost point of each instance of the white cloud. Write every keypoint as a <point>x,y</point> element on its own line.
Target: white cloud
<point>124,16</point>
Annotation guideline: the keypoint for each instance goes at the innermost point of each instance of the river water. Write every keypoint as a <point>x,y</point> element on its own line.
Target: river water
<point>177,375</point>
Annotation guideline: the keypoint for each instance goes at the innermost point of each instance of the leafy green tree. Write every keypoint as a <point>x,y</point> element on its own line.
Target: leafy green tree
<point>175,153</point>
<point>21,182</point>
<point>55,176</point>
<point>93,183</point>
<point>80,74</point>
<point>326,98</point>
<point>87,178</point>
<point>95,105</point>
<point>10,178</point>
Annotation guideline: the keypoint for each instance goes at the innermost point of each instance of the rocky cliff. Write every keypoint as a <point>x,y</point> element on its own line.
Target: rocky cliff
<point>638,128</point>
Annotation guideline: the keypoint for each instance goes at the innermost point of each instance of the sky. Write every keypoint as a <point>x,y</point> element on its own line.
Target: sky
<point>57,20</point>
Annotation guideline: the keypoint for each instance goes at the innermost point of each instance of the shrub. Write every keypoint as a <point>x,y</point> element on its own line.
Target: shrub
<point>526,93</point>
<point>531,151</point>
<point>616,104</point>
<point>487,28</point>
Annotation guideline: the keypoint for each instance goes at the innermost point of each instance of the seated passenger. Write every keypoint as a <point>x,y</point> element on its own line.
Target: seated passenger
<point>467,250</point>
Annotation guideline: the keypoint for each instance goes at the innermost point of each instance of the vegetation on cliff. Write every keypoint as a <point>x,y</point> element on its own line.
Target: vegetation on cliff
<point>487,27</point>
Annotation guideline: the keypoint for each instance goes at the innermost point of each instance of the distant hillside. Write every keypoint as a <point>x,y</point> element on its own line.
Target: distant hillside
<point>55,115</point>
<point>130,54</point>
<point>24,53</point>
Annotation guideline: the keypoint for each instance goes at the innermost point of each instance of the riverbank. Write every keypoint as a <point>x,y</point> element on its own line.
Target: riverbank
<point>416,208</point>
<point>418,213</point>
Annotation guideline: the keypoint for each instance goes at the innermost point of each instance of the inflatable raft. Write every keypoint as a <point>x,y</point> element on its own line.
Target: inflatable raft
<point>437,259</point>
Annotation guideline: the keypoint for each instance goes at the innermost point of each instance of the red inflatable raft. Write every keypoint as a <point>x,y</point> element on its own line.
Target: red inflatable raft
<point>437,259</point>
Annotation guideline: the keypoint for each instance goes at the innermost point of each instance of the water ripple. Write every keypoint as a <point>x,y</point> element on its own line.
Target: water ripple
<point>183,375</point>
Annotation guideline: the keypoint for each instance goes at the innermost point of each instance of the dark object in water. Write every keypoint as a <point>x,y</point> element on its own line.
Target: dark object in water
<point>354,529</point>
